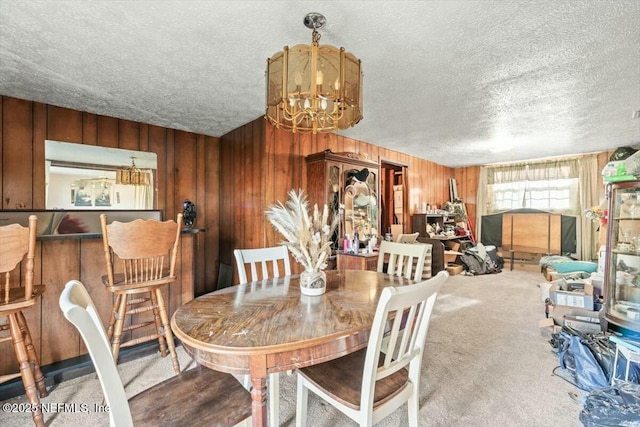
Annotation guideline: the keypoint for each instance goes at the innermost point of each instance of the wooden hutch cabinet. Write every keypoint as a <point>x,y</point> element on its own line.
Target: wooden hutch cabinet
<point>330,180</point>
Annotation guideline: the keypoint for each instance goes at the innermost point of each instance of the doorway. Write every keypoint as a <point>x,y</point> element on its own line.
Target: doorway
<point>393,198</point>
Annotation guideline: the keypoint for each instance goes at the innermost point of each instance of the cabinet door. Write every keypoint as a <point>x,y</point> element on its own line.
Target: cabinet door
<point>334,172</point>
<point>360,201</point>
<point>622,267</point>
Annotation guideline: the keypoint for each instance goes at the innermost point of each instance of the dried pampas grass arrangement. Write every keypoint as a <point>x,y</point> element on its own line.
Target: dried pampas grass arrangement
<point>308,237</point>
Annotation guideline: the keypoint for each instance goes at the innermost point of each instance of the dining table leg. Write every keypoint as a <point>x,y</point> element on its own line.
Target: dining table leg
<point>258,401</point>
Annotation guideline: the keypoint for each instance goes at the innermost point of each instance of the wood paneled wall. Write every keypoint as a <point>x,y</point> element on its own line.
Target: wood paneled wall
<point>467,182</point>
<point>188,165</point>
<point>260,164</point>
<point>231,180</point>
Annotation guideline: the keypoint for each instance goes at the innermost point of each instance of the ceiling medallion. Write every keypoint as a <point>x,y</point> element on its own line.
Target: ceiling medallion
<point>313,88</point>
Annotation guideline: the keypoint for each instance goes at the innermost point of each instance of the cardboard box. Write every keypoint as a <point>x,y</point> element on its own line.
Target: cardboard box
<point>561,312</point>
<point>583,324</point>
<point>454,269</point>
<point>547,272</point>
<point>450,256</point>
<point>582,299</point>
<point>451,245</point>
<point>548,326</point>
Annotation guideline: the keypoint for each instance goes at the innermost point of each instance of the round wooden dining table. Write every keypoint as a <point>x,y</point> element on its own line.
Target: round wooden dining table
<point>263,327</point>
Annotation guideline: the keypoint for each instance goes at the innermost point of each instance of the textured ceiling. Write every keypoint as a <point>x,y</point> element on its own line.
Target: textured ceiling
<point>454,82</point>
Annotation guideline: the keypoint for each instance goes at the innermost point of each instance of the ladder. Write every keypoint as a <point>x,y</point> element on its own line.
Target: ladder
<point>469,224</point>
<point>453,195</point>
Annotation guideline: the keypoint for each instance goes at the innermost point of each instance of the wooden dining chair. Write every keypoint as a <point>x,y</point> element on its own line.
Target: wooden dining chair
<point>402,259</point>
<point>18,249</point>
<point>413,238</point>
<point>141,259</point>
<point>265,263</point>
<point>196,397</point>
<point>407,238</point>
<point>370,384</point>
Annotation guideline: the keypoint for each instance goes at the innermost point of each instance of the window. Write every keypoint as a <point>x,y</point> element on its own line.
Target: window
<point>550,186</point>
<point>558,195</point>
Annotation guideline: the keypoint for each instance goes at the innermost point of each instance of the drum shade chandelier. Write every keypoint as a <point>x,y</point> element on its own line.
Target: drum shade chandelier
<point>313,88</point>
<point>132,175</point>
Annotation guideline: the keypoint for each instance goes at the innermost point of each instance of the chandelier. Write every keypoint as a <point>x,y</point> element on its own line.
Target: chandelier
<point>132,175</point>
<point>313,88</point>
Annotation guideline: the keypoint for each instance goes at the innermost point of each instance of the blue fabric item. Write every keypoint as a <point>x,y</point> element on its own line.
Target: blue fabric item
<point>569,266</point>
<point>578,358</point>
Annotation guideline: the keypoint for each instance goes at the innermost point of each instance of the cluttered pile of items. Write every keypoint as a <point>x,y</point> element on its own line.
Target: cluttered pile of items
<point>604,366</point>
<point>462,253</point>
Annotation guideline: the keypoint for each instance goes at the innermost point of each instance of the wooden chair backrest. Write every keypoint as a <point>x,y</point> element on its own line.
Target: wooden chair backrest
<point>408,238</point>
<point>147,249</point>
<point>402,347</point>
<point>17,241</point>
<point>403,259</point>
<point>263,262</point>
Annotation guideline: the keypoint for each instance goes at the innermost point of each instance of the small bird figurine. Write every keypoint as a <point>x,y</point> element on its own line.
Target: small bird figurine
<point>189,213</point>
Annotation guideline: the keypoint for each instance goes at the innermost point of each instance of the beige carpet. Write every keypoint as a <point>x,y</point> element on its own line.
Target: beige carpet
<point>486,364</point>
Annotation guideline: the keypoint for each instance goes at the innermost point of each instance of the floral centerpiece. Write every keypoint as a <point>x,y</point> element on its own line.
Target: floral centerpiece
<point>307,237</point>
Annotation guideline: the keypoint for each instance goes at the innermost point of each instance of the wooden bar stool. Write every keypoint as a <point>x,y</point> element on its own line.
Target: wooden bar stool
<point>144,254</point>
<point>17,241</point>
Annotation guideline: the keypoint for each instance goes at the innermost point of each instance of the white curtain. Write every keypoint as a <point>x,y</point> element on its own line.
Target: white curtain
<point>481,204</point>
<point>143,193</point>
<point>590,181</point>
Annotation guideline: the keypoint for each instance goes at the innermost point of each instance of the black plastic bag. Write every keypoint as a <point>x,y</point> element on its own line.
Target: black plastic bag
<point>617,405</point>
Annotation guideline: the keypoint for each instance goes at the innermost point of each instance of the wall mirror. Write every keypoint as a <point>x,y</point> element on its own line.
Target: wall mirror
<point>79,176</point>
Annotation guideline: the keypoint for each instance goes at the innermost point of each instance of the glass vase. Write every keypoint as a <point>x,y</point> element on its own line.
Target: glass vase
<point>313,282</point>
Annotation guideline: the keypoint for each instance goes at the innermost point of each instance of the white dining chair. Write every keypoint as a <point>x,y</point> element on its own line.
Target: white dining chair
<point>370,384</point>
<point>265,263</point>
<point>196,397</point>
<point>402,259</point>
